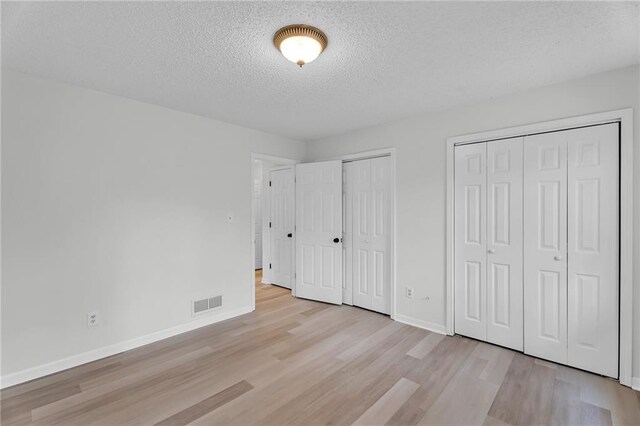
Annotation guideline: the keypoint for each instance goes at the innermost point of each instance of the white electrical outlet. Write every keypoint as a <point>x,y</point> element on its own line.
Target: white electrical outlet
<point>409,292</point>
<point>93,319</point>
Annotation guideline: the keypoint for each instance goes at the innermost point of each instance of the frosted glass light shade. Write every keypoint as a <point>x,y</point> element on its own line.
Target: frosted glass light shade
<point>300,44</point>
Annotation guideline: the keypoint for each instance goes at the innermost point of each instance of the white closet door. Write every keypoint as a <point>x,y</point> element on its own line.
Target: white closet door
<point>470,240</point>
<point>593,248</point>
<point>380,238</point>
<point>282,223</point>
<point>504,243</point>
<point>361,234</point>
<point>319,231</point>
<point>545,246</point>
<point>368,211</point>
<point>347,232</point>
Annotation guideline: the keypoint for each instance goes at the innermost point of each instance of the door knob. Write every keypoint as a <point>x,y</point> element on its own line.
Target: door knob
<point>491,251</point>
<point>336,240</point>
<point>290,235</point>
<point>557,257</point>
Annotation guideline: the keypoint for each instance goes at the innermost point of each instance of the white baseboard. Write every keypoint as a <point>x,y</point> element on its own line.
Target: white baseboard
<point>635,383</point>
<point>96,354</point>
<point>436,328</point>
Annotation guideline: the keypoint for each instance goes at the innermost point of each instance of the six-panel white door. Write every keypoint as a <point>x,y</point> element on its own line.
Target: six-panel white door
<point>593,246</point>
<point>504,243</point>
<point>319,231</point>
<point>281,225</point>
<point>470,240</point>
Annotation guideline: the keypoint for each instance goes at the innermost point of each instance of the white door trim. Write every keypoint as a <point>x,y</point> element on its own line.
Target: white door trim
<point>391,152</point>
<point>625,118</point>
<point>257,156</point>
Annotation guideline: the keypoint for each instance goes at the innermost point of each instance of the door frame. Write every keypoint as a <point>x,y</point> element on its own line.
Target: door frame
<point>391,153</point>
<point>265,157</point>
<point>625,118</point>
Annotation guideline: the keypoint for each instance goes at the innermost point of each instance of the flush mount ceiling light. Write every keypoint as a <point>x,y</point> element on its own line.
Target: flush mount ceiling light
<point>300,43</point>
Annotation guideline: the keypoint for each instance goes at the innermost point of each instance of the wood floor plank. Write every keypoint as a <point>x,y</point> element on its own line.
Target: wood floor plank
<point>300,362</point>
<point>425,346</point>
<point>565,403</point>
<point>440,369</point>
<point>370,342</point>
<point>510,397</point>
<point>498,361</point>
<point>207,405</point>
<point>466,386</point>
<point>537,399</point>
<point>593,415</point>
<point>408,414</point>
<point>492,421</point>
<point>385,407</point>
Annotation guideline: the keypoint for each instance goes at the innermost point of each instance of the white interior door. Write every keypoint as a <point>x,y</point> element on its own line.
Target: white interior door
<point>504,243</point>
<point>593,238</point>
<point>319,231</point>
<point>281,225</point>
<point>545,246</point>
<point>470,240</point>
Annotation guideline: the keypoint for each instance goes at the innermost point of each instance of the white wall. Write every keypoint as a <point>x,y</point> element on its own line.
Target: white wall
<point>421,154</point>
<point>118,206</point>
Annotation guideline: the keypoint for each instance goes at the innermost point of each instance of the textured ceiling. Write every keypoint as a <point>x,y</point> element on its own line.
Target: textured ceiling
<point>384,60</point>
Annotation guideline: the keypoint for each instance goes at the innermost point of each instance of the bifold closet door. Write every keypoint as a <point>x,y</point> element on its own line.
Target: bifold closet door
<point>488,238</point>
<point>571,234</point>
<point>368,209</point>
<point>470,240</point>
<point>504,243</point>
<point>593,248</point>
<point>545,246</point>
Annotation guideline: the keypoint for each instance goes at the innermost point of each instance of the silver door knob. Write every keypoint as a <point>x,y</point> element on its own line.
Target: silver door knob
<point>491,251</point>
<point>558,257</point>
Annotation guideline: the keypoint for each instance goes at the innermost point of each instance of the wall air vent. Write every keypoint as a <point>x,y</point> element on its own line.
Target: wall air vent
<point>204,305</point>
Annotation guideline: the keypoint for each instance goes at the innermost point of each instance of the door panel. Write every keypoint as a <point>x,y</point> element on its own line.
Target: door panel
<point>347,232</point>
<point>369,209</point>
<point>545,246</point>
<point>593,281</point>
<point>504,243</point>
<point>361,236</point>
<point>470,241</point>
<point>282,222</point>
<point>257,226</point>
<point>380,229</point>
<point>318,223</point>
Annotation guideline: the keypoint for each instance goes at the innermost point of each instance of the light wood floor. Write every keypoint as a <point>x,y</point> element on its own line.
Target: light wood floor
<point>299,362</point>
